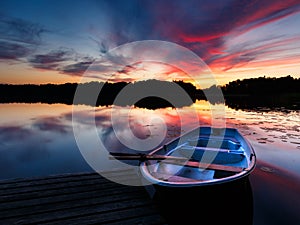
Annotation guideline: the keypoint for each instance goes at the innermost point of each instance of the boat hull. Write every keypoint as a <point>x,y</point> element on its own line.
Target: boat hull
<point>213,156</point>
<point>194,192</point>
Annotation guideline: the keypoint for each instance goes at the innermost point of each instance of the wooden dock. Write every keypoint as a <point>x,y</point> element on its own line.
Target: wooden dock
<point>86,198</point>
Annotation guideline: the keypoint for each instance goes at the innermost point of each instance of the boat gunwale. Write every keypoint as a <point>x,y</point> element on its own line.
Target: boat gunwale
<point>252,163</point>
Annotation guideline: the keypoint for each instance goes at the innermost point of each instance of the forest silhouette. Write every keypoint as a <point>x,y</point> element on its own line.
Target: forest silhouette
<point>263,92</point>
<point>239,94</point>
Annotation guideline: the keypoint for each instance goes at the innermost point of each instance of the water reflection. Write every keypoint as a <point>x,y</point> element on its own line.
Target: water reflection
<point>38,140</point>
<point>263,103</point>
<point>229,203</point>
<point>276,195</point>
<point>41,133</point>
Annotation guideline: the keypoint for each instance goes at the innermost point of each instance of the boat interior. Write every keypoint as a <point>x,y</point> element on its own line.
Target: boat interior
<point>217,158</point>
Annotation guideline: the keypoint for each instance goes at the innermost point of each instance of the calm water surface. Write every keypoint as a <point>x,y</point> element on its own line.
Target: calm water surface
<point>38,140</point>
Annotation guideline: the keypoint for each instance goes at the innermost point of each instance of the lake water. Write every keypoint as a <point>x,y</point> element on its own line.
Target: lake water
<point>38,140</point>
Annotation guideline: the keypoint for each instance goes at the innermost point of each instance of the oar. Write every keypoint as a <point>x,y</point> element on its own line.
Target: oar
<point>143,157</point>
<point>211,166</point>
<point>176,160</point>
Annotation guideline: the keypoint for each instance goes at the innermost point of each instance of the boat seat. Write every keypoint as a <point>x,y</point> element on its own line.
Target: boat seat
<point>221,156</point>
<point>172,178</point>
<point>215,143</point>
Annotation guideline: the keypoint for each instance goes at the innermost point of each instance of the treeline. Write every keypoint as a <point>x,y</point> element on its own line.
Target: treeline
<point>239,94</point>
<point>262,86</point>
<point>99,93</point>
<point>267,92</point>
<point>45,93</point>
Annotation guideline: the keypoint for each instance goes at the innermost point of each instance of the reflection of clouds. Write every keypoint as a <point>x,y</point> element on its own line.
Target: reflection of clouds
<point>46,143</point>
<point>89,116</point>
<point>21,148</point>
<point>52,124</point>
<point>101,117</point>
<point>139,119</point>
<point>110,136</point>
<point>111,142</point>
<point>31,150</point>
<point>29,143</point>
<point>11,132</point>
<point>119,127</point>
<point>21,141</point>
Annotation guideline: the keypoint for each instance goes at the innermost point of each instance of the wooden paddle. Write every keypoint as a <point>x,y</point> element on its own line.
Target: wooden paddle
<point>175,160</point>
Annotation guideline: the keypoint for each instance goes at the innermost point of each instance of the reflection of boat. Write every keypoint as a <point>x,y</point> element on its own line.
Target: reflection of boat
<point>184,188</point>
<point>204,156</point>
<point>226,203</point>
<point>201,176</point>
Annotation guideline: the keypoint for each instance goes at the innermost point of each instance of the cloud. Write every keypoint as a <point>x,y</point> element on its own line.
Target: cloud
<point>77,68</point>
<point>110,64</point>
<point>102,45</point>
<point>13,51</point>
<point>18,38</point>
<point>53,59</point>
<point>127,69</point>
<point>242,54</point>
<point>64,60</point>
<point>70,62</point>
<point>203,25</point>
<point>209,20</point>
<point>100,69</point>
<point>264,12</point>
<point>18,30</point>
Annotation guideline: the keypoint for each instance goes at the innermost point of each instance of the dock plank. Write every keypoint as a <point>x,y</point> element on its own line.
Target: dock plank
<point>86,198</point>
<point>81,211</point>
<point>53,192</point>
<point>138,213</point>
<point>66,203</point>
<point>58,185</point>
<point>4,185</point>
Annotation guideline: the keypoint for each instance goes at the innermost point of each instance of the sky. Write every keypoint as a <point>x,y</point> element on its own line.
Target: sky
<point>51,41</point>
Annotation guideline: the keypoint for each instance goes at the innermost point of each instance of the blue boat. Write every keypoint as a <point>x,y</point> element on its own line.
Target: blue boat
<point>203,156</point>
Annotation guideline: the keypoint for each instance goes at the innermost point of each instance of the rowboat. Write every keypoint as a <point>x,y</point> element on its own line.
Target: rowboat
<point>203,171</point>
<point>207,167</point>
<point>203,156</point>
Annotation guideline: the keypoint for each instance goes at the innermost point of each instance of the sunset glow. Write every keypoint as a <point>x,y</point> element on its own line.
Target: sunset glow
<point>56,43</point>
